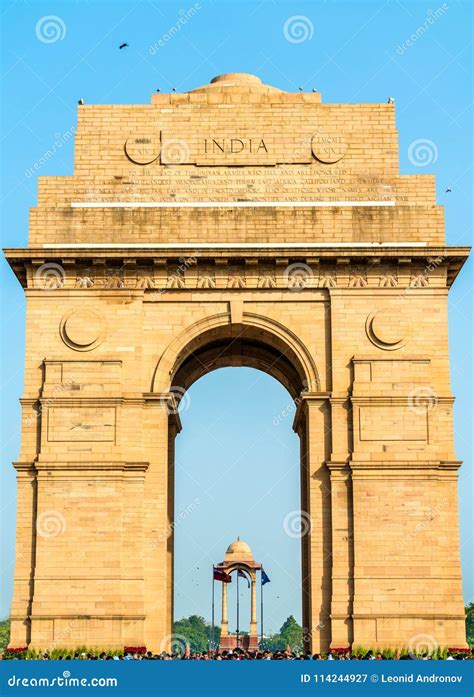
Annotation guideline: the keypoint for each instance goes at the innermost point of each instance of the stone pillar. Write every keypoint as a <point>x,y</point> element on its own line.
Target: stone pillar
<point>82,524</point>
<point>407,579</point>
<point>160,425</point>
<point>342,580</point>
<point>253,605</point>
<point>225,621</point>
<point>20,629</point>
<point>407,575</point>
<point>312,422</point>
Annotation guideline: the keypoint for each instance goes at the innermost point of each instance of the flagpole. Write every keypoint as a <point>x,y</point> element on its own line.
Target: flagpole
<point>261,606</point>
<point>237,607</point>
<point>212,630</point>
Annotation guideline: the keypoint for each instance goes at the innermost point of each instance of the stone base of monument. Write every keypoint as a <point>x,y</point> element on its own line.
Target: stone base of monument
<point>246,642</point>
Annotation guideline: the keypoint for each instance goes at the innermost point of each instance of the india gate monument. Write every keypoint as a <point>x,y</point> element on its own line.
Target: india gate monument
<point>237,225</point>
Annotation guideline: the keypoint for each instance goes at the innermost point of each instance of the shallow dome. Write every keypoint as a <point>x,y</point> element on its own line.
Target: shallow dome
<point>238,551</point>
<point>236,82</point>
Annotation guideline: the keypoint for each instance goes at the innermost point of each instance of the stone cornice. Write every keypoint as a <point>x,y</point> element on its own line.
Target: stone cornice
<point>314,251</point>
<point>80,616</point>
<point>403,464</point>
<point>302,402</point>
<point>37,466</point>
<point>403,400</point>
<point>167,401</point>
<point>167,268</point>
<point>401,469</point>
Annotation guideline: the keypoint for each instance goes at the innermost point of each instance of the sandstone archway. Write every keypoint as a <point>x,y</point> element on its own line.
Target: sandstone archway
<point>172,251</point>
<point>265,344</point>
<point>257,342</point>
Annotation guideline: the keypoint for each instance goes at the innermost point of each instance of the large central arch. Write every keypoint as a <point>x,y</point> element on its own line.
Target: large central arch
<point>261,342</point>
<point>256,341</point>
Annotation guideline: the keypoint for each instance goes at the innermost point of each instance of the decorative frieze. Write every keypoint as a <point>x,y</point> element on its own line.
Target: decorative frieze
<point>233,274</point>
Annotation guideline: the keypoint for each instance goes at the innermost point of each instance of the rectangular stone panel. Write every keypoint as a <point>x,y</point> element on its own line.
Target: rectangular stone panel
<point>389,376</point>
<point>392,423</point>
<point>401,371</point>
<point>67,424</point>
<point>84,372</point>
<point>77,377</point>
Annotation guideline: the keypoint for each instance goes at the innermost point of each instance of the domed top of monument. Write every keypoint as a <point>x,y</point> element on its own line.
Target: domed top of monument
<point>237,79</point>
<point>236,82</point>
<point>238,551</point>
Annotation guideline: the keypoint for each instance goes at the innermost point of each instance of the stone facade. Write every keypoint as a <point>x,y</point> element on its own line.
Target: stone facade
<point>237,225</point>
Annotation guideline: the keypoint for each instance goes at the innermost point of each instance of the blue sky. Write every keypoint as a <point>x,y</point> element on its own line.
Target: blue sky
<point>352,52</point>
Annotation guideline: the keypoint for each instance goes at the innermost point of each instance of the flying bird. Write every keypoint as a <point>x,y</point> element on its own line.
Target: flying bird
<point>123,46</point>
<point>448,190</point>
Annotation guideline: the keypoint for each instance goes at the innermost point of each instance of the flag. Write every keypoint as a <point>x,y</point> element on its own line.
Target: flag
<point>265,578</point>
<point>243,575</point>
<point>222,576</point>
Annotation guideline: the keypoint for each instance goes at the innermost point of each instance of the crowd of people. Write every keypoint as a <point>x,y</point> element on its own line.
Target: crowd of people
<point>239,654</point>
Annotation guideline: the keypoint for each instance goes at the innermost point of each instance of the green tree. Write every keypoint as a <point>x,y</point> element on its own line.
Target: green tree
<point>195,632</point>
<point>470,624</point>
<point>291,633</point>
<point>4,633</point>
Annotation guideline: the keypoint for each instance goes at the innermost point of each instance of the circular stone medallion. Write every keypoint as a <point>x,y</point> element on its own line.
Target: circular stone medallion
<point>82,330</point>
<point>142,149</point>
<point>329,147</point>
<point>386,329</point>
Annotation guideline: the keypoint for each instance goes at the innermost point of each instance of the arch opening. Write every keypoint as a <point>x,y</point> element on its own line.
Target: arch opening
<point>256,343</point>
<point>244,467</point>
<point>260,343</point>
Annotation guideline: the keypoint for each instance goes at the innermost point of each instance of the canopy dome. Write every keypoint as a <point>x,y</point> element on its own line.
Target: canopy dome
<point>238,551</point>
